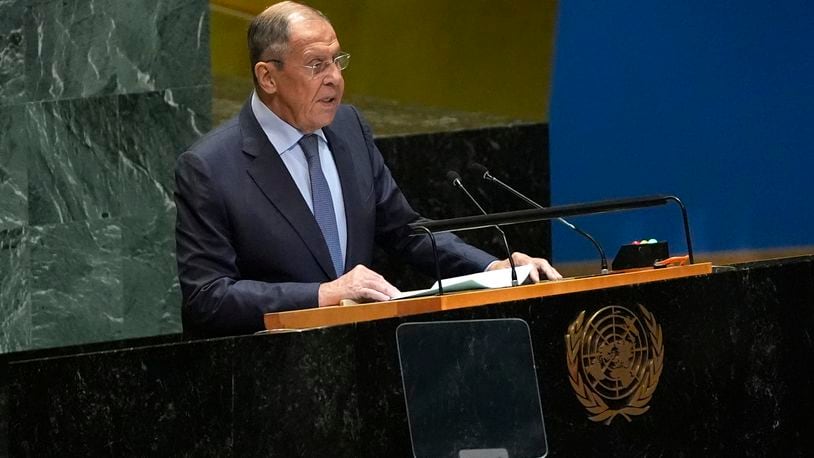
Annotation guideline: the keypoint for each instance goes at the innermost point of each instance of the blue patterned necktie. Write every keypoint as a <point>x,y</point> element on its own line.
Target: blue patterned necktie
<point>323,204</point>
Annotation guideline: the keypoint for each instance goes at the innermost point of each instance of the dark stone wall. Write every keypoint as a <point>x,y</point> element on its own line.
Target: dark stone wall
<point>733,383</point>
<point>517,154</point>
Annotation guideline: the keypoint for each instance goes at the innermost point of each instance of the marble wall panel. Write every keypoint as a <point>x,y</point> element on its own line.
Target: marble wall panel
<point>151,296</point>
<point>155,128</point>
<point>72,52</point>
<point>90,47</point>
<point>12,52</point>
<point>161,44</point>
<point>73,164</point>
<point>76,283</point>
<point>15,297</point>
<point>13,168</point>
<point>98,98</point>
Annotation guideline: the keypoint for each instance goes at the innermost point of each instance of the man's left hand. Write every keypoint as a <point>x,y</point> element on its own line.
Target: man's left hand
<point>542,268</point>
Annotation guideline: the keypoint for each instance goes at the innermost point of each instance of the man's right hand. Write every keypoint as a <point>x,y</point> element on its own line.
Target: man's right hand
<point>359,284</point>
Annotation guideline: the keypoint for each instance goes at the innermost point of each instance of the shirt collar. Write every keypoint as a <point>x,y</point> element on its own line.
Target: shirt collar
<point>282,135</point>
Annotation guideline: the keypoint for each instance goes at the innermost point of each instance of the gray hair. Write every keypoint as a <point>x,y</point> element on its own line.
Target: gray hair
<point>269,31</point>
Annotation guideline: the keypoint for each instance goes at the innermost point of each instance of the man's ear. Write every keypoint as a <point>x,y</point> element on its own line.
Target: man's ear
<point>265,77</point>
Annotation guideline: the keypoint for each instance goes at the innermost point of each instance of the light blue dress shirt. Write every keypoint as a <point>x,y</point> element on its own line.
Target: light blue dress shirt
<point>284,138</point>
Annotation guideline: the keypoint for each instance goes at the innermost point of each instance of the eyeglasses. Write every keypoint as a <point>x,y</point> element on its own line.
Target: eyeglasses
<point>317,69</point>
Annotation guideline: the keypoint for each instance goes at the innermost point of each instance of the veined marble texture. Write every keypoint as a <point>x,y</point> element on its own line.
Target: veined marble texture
<point>15,297</point>
<point>12,51</point>
<point>155,128</point>
<point>97,99</point>
<point>109,156</point>
<point>151,297</point>
<point>15,301</point>
<point>73,155</point>
<point>97,47</point>
<point>103,199</point>
<point>13,168</point>
<point>76,283</point>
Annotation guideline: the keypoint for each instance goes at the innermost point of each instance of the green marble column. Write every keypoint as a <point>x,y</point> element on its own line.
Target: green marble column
<point>97,99</point>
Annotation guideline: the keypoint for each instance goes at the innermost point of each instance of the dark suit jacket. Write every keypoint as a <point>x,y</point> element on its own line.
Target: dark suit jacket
<point>247,244</point>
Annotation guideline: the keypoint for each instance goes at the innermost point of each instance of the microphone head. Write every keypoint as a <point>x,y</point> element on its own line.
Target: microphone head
<point>454,177</point>
<point>480,170</point>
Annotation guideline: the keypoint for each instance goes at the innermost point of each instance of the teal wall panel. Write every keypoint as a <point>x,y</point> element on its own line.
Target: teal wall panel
<point>13,168</point>
<point>15,296</point>
<point>12,49</point>
<point>97,99</point>
<point>176,117</point>
<point>76,290</point>
<point>88,48</point>
<point>72,160</point>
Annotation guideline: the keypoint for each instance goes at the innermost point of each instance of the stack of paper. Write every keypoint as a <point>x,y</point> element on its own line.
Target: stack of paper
<point>500,278</point>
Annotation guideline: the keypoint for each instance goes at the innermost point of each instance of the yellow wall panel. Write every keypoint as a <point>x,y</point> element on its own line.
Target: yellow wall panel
<point>476,56</point>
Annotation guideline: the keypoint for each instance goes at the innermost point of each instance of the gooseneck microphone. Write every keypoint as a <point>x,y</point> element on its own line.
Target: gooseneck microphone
<point>484,173</point>
<point>455,178</point>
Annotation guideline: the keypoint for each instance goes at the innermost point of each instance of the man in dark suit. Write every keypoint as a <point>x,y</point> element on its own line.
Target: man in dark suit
<point>279,208</point>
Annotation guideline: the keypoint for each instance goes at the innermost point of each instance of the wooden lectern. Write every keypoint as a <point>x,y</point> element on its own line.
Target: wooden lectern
<point>333,316</point>
<point>715,358</point>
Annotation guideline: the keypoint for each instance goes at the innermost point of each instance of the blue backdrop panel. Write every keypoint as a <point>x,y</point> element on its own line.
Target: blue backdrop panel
<point>710,101</point>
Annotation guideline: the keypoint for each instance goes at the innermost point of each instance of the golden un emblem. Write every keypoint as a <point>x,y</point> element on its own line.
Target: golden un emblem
<point>614,361</point>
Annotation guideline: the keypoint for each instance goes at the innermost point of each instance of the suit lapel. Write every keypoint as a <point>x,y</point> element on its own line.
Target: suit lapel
<point>350,194</point>
<point>270,174</point>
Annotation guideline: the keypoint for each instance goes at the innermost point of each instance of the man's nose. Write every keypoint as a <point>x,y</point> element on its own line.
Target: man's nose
<point>332,74</point>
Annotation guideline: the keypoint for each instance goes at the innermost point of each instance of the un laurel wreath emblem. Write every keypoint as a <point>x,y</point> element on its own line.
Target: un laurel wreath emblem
<point>614,361</point>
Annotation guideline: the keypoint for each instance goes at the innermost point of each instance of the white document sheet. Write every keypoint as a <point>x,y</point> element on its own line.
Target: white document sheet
<point>500,278</point>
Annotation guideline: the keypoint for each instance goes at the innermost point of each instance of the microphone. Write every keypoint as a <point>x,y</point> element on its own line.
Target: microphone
<point>455,178</point>
<point>484,172</point>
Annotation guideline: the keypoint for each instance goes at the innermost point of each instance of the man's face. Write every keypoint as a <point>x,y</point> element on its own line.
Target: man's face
<point>303,100</point>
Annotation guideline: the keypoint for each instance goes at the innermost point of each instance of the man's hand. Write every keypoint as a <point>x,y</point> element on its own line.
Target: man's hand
<point>542,267</point>
<point>360,283</point>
